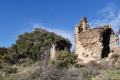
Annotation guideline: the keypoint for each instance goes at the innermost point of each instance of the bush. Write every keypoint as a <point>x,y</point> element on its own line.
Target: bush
<point>3,51</point>
<point>10,58</point>
<point>93,72</point>
<point>6,59</point>
<point>48,72</point>
<point>64,59</point>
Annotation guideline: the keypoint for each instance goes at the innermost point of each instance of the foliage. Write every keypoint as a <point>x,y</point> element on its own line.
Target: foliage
<point>64,59</point>
<point>30,44</point>
<point>7,59</point>
<point>48,72</point>
<point>11,58</point>
<point>108,75</point>
<point>14,48</point>
<point>3,51</point>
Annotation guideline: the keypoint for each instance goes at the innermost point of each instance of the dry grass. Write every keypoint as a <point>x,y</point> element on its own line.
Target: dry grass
<point>91,64</point>
<point>41,70</point>
<point>108,75</point>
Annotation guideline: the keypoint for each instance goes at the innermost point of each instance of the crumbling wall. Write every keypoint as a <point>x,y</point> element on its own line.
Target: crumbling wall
<point>96,43</point>
<point>88,46</point>
<point>53,51</point>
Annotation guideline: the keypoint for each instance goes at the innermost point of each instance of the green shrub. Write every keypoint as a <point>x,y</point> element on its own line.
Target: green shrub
<point>3,51</point>
<point>10,58</point>
<point>14,48</point>
<point>6,59</point>
<point>64,59</point>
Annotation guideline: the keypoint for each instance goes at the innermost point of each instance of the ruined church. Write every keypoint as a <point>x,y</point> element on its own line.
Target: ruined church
<point>95,44</point>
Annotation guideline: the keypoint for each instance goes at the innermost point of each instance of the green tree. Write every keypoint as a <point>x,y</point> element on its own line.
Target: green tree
<point>30,44</point>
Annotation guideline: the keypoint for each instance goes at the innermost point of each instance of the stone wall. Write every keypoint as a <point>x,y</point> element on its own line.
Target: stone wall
<point>94,44</point>
<point>52,51</point>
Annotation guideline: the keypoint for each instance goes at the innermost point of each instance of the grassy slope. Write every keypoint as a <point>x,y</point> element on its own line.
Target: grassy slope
<point>28,73</point>
<point>108,74</point>
<point>22,73</point>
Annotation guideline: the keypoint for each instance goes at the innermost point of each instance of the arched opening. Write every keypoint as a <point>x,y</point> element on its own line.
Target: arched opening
<point>106,42</point>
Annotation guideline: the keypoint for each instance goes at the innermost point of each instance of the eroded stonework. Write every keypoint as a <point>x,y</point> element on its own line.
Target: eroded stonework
<point>94,44</point>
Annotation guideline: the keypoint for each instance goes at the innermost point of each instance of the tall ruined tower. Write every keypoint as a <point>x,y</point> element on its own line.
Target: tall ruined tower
<point>81,27</point>
<point>94,44</point>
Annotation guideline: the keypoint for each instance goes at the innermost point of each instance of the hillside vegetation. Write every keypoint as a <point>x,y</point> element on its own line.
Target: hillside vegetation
<point>33,45</point>
<point>25,60</point>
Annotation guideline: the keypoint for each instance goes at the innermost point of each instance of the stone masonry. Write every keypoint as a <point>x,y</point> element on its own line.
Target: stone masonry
<point>95,44</point>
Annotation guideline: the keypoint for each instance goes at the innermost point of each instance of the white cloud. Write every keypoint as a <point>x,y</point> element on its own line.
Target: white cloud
<point>108,15</point>
<point>64,33</point>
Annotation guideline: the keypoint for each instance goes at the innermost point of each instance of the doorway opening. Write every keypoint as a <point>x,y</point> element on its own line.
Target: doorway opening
<point>106,42</point>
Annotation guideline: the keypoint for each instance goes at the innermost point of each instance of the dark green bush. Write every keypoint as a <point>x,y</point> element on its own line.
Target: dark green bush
<point>64,59</point>
<point>6,59</point>
<point>10,58</point>
<point>14,48</point>
<point>3,51</point>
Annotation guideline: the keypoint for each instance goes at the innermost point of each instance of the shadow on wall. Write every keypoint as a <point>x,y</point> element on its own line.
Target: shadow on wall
<point>106,42</point>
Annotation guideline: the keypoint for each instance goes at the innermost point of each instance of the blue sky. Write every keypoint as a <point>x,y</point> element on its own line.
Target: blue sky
<point>59,16</point>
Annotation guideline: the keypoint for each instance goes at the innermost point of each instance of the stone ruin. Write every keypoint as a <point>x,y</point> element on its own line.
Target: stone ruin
<point>95,44</point>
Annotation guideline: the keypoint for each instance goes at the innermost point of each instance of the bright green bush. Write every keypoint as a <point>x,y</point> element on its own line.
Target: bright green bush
<point>64,59</point>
